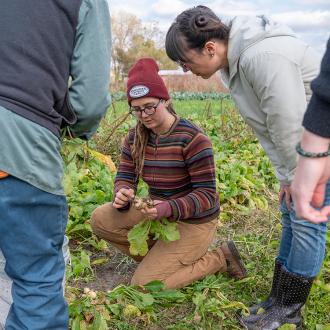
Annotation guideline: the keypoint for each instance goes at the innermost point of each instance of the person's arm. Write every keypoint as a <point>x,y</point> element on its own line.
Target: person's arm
<point>311,177</point>
<point>317,116</point>
<point>126,178</point>
<point>312,174</point>
<point>90,67</point>
<point>199,160</point>
<point>279,86</point>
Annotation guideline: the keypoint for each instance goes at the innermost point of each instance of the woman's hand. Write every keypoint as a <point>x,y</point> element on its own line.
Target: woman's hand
<point>310,181</point>
<point>309,188</point>
<point>285,192</point>
<point>123,197</point>
<point>151,213</point>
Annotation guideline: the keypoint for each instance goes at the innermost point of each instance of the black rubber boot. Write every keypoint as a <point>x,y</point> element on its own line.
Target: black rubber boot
<point>271,298</point>
<point>292,294</point>
<point>253,317</point>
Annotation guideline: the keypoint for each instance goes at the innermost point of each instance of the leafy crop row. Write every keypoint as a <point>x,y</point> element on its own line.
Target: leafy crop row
<point>183,96</point>
<point>245,182</point>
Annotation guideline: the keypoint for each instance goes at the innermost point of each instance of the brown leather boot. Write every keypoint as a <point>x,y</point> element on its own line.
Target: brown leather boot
<point>235,265</point>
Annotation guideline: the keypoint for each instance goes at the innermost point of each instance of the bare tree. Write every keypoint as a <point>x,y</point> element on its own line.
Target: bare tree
<point>131,39</point>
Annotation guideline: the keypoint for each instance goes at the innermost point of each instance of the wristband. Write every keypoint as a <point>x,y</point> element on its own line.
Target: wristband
<point>309,154</point>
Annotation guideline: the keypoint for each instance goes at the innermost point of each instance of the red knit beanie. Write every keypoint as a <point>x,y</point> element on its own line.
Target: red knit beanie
<point>144,81</point>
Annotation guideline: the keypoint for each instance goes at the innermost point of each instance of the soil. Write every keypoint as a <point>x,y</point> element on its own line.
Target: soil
<point>118,270</point>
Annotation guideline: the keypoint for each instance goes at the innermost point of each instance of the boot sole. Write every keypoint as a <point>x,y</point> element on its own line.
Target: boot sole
<point>241,322</point>
<point>232,247</point>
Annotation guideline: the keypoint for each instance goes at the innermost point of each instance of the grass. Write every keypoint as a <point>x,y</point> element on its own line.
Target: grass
<point>210,303</point>
<point>257,236</point>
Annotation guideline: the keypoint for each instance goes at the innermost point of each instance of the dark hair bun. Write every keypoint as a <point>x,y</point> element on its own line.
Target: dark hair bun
<point>200,21</point>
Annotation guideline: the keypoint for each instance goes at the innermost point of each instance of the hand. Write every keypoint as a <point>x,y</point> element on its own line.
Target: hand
<point>308,188</point>
<point>312,174</point>
<point>285,192</point>
<point>151,213</point>
<point>123,197</point>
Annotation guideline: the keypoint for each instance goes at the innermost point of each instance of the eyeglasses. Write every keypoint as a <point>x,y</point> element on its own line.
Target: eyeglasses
<point>148,109</point>
<point>183,65</point>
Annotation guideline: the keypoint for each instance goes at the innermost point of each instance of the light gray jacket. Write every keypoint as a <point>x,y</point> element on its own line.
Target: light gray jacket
<point>269,77</point>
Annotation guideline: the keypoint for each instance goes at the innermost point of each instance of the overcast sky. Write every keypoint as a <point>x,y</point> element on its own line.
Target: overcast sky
<point>310,19</point>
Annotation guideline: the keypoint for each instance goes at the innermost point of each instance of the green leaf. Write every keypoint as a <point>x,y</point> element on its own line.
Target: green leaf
<point>76,324</point>
<point>169,295</point>
<point>170,231</point>
<point>160,229</point>
<point>155,286</point>
<point>323,327</point>
<point>138,237</point>
<point>99,322</point>
<point>115,309</point>
<point>260,311</point>
<point>77,227</point>
<point>99,261</point>
<point>81,264</point>
<point>165,230</point>
<point>147,300</point>
<point>287,326</point>
<point>198,299</point>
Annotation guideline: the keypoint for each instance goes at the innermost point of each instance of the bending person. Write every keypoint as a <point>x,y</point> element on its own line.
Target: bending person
<point>268,71</point>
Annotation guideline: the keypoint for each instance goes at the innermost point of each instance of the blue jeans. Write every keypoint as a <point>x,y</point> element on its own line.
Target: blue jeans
<point>302,246</point>
<point>32,227</point>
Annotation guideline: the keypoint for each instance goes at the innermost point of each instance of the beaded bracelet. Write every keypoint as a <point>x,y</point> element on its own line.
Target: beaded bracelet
<point>308,154</point>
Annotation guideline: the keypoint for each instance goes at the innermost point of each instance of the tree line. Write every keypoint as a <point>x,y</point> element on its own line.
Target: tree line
<point>131,39</point>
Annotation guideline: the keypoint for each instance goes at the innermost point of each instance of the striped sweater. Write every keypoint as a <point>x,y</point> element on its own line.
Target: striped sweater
<point>178,168</point>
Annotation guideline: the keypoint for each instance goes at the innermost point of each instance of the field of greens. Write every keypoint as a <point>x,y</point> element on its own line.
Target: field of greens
<point>97,291</point>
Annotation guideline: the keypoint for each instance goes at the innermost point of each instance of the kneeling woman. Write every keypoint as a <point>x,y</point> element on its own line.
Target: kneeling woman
<point>175,159</point>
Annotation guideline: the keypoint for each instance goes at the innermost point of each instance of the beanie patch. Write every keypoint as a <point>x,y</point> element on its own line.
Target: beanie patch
<point>138,91</point>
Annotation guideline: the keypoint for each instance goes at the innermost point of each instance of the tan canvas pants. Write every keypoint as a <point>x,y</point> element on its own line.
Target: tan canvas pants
<point>176,263</point>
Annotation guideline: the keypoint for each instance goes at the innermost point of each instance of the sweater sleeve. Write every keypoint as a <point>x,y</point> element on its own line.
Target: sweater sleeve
<point>198,156</point>
<point>90,67</point>
<point>126,176</point>
<point>317,116</point>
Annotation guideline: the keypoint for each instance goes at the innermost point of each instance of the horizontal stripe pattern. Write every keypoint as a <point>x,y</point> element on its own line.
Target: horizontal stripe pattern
<point>178,167</point>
